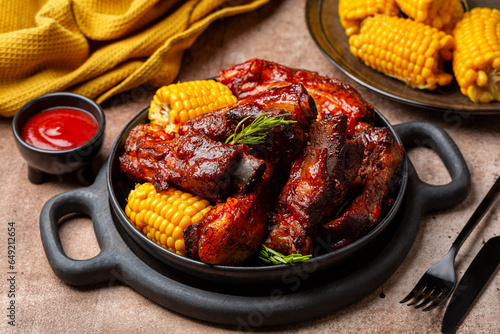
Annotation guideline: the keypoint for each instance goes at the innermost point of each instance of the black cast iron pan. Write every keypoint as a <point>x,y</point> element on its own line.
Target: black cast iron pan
<point>119,185</point>
<point>250,296</point>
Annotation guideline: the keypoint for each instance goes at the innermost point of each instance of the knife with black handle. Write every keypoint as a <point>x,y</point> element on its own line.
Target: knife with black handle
<point>472,283</point>
<point>479,272</point>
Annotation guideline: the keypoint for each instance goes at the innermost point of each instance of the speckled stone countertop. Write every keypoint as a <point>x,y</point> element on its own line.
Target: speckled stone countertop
<point>277,32</point>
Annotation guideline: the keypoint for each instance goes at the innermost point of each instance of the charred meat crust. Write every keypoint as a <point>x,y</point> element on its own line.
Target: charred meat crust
<point>318,182</point>
<point>193,162</point>
<point>332,96</point>
<point>380,171</point>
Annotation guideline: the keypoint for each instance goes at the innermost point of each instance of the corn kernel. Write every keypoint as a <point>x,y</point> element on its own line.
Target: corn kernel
<point>171,243</point>
<point>404,49</point>
<point>176,104</point>
<point>180,246</point>
<point>476,59</point>
<point>160,219</point>
<point>434,13</point>
<point>482,78</point>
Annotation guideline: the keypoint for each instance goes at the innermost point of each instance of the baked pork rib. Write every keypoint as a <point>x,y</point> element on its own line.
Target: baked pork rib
<point>283,143</point>
<point>332,96</point>
<point>318,182</point>
<point>193,162</point>
<point>232,231</point>
<point>380,172</point>
<point>290,99</point>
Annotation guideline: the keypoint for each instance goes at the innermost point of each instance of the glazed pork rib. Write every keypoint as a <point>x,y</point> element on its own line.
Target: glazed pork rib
<point>282,143</point>
<point>290,99</point>
<point>232,231</point>
<point>193,162</point>
<point>380,172</point>
<point>318,182</point>
<point>332,96</point>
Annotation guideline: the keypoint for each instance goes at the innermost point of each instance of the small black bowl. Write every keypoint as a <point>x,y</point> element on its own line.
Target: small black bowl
<point>59,162</point>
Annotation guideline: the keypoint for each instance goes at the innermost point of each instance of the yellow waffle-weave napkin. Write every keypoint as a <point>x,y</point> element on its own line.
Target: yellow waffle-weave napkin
<point>98,48</point>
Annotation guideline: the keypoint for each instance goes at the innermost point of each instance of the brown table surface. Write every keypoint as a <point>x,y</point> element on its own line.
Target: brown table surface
<point>277,32</point>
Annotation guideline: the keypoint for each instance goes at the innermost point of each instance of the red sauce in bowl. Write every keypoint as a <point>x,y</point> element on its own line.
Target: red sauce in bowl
<point>59,129</point>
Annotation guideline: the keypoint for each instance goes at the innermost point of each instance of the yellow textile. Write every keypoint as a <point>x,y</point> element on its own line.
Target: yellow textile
<point>98,48</point>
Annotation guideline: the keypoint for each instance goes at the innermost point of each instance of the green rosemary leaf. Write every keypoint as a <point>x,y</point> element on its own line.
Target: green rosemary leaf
<point>268,255</point>
<point>343,206</point>
<point>255,132</point>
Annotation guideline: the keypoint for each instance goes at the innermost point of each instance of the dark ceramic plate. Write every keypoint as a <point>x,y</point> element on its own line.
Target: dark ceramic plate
<point>324,25</point>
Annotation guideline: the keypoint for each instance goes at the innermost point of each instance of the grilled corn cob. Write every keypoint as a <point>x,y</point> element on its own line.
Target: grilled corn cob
<point>436,13</point>
<point>352,12</point>
<point>162,216</point>
<point>476,61</point>
<point>404,49</point>
<point>176,104</point>
<point>457,15</point>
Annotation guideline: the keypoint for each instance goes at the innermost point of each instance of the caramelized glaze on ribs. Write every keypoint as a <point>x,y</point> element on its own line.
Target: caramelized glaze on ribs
<point>380,171</point>
<point>318,181</point>
<point>332,96</point>
<point>283,143</point>
<point>193,162</point>
<point>292,99</point>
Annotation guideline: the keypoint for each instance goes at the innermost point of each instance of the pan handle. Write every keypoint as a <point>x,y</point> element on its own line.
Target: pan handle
<point>93,202</point>
<point>430,135</point>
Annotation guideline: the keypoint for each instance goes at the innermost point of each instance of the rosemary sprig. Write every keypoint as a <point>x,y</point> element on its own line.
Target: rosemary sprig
<point>255,132</point>
<point>270,256</point>
<point>343,206</point>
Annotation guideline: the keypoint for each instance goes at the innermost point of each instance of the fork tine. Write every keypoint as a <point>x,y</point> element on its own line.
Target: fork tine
<point>409,296</point>
<point>423,293</point>
<point>439,300</point>
<point>420,285</point>
<point>431,295</point>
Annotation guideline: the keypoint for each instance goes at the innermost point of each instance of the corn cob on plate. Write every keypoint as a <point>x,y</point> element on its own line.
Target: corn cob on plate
<point>178,103</point>
<point>322,17</point>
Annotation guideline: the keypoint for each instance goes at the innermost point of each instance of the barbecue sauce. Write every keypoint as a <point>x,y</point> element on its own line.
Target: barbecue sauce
<point>59,129</point>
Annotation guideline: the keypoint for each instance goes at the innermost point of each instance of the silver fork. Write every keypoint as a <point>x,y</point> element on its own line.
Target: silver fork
<point>438,283</point>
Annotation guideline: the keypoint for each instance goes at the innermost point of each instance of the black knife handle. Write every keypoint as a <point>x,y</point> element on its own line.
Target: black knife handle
<point>474,281</point>
<point>481,210</point>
